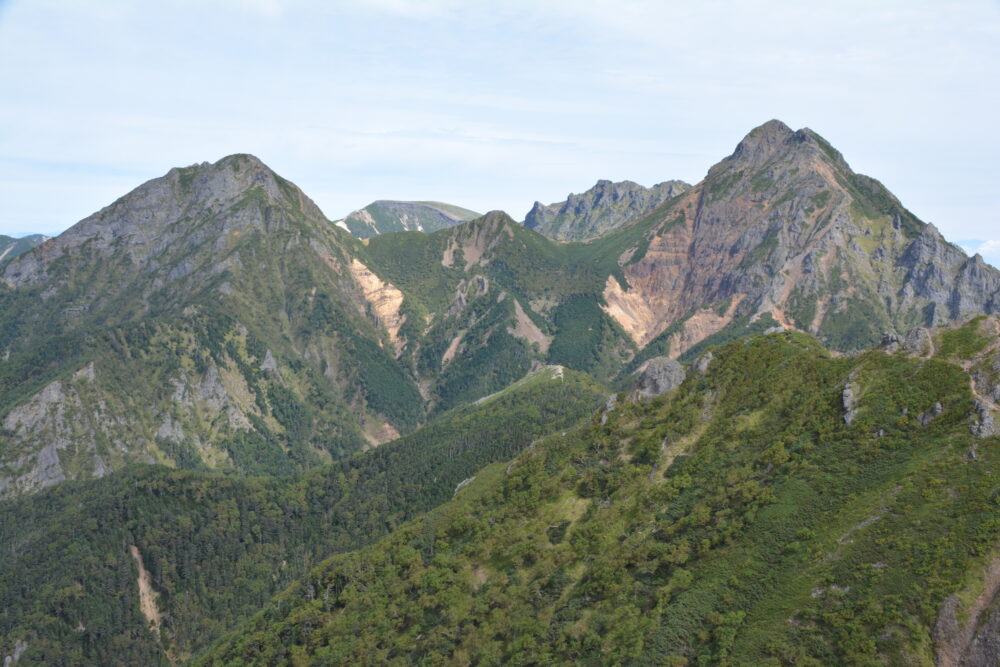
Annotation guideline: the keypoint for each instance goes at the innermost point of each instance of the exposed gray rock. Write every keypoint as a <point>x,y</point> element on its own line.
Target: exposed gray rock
<point>482,285</point>
<point>918,341</point>
<point>957,286</point>
<point>849,398</point>
<point>211,391</point>
<point>459,302</point>
<point>890,343</point>
<point>143,221</point>
<point>703,362</point>
<point>657,376</point>
<point>774,330</point>
<point>100,467</point>
<point>20,646</point>
<point>170,430</point>
<point>929,416</point>
<point>609,405</point>
<point>461,485</point>
<point>269,363</point>
<point>986,425</point>
<point>602,208</point>
<point>984,649</point>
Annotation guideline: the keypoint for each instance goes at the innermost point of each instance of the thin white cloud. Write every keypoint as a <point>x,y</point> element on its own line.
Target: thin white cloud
<point>495,104</point>
<point>989,250</point>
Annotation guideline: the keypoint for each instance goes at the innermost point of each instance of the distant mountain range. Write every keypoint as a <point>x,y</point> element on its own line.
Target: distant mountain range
<point>383,216</point>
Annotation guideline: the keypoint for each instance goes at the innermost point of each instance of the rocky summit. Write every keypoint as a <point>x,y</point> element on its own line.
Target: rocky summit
<point>784,229</point>
<point>602,208</point>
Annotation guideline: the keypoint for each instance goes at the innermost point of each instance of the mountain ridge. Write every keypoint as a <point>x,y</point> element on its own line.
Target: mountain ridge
<point>390,215</point>
<point>236,283</point>
<point>601,209</point>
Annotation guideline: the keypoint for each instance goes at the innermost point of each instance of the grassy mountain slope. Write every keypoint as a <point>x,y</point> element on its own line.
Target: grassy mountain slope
<point>211,318</point>
<point>218,547</point>
<point>492,294</point>
<point>739,520</point>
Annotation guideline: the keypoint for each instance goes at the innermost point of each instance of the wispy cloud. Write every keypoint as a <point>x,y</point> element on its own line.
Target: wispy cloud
<point>990,250</point>
<point>492,105</point>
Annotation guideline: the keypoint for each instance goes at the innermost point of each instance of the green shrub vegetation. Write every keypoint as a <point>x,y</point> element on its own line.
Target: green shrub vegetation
<point>736,521</point>
<point>219,547</point>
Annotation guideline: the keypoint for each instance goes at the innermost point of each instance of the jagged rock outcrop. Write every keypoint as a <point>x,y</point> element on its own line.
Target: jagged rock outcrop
<point>601,209</point>
<point>849,399</point>
<point>984,649</point>
<point>656,377</point>
<point>383,216</point>
<point>918,341</point>
<point>985,425</point>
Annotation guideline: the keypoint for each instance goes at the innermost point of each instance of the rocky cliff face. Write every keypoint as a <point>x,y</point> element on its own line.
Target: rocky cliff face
<point>602,208</point>
<point>784,228</point>
<point>383,216</point>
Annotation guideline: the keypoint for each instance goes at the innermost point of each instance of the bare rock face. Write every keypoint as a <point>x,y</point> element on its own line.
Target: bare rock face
<point>784,227</point>
<point>890,343</point>
<point>918,341</point>
<point>20,646</point>
<point>599,210</point>
<point>984,650</point>
<point>657,376</point>
<point>849,398</point>
<point>986,425</point>
<point>703,362</point>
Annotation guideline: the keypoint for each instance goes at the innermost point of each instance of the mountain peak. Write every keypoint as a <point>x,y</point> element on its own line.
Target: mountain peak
<point>763,139</point>
<point>169,207</point>
<point>228,179</point>
<point>497,217</point>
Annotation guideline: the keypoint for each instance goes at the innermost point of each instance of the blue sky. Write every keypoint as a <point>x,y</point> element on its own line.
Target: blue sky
<point>488,104</point>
